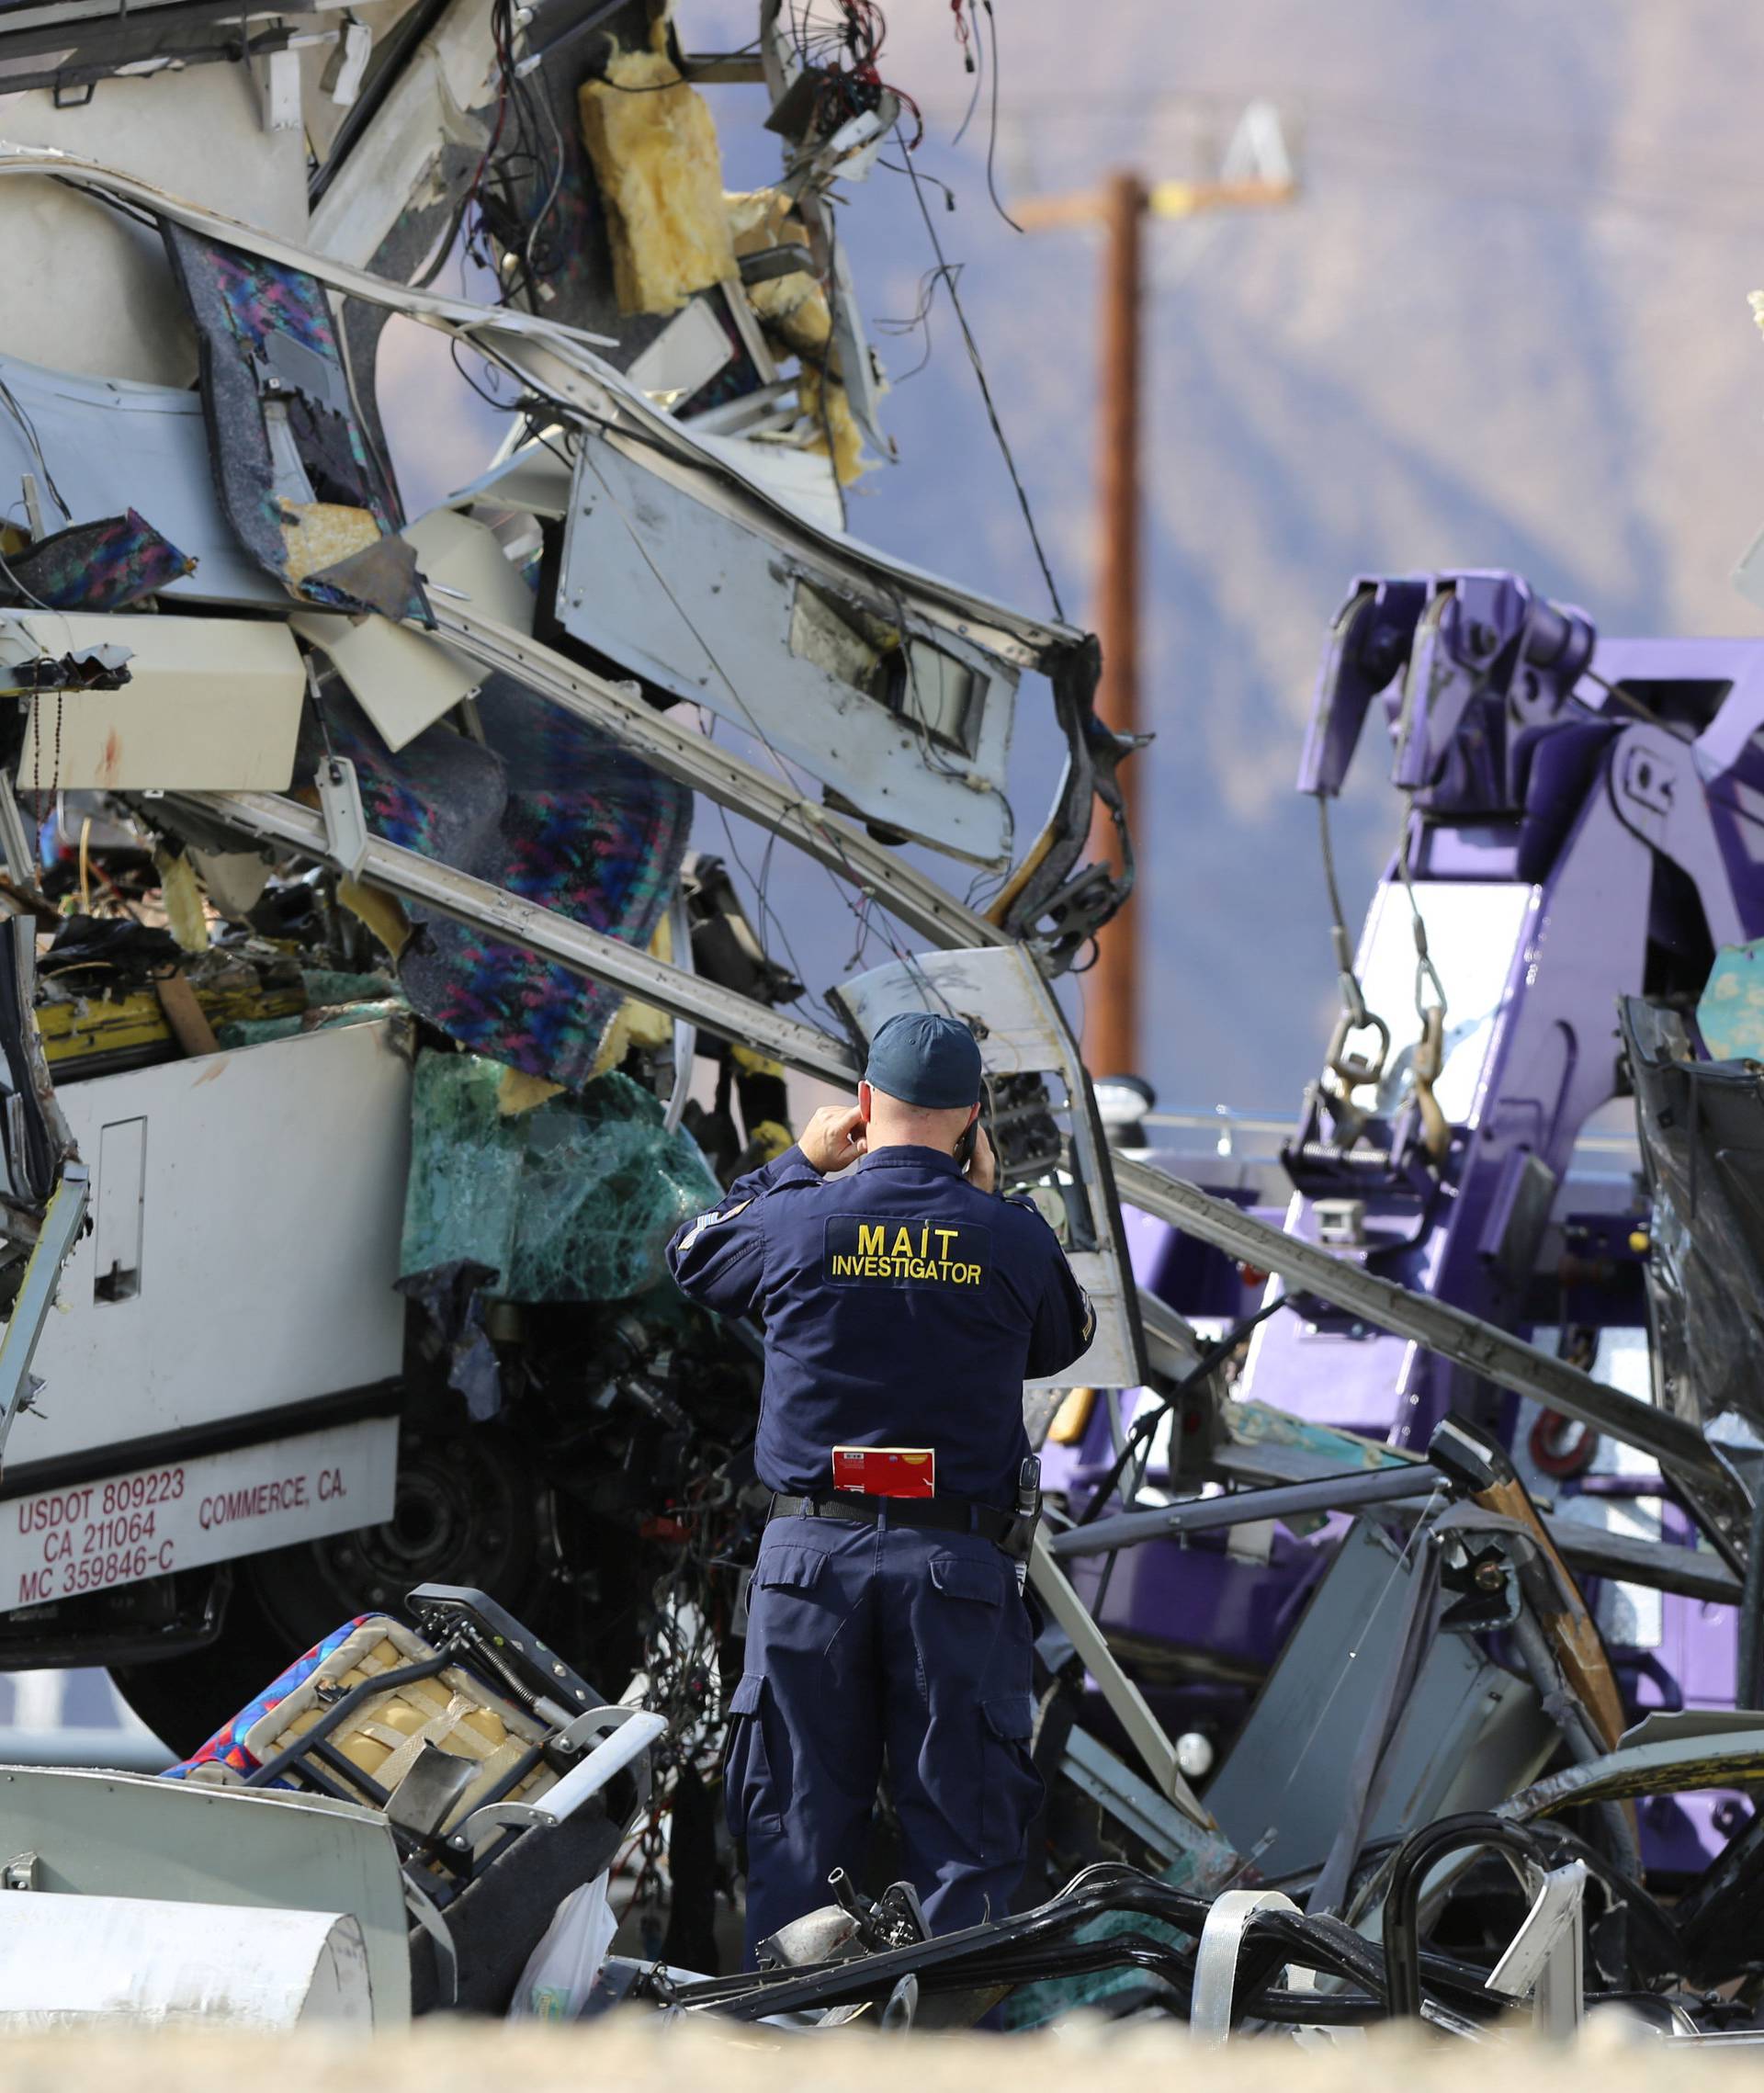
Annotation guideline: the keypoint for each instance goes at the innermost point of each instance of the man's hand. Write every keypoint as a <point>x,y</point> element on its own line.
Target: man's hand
<point>983,1170</point>
<point>833,1137</point>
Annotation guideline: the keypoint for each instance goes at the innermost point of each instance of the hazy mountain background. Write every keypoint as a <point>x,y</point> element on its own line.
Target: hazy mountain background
<point>1504,325</point>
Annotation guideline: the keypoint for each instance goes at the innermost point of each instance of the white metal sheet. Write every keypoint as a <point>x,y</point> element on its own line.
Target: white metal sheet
<point>57,1544</point>
<point>212,704</point>
<point>465,561</point>
<point>681,592</point>
<point>403,680</point>
<point>87,288</point>
<point>802,480</point>
<point>270,1221</point>
<point>129,1962</point>
<point>425,108</point>
<point>111,447</point>
<point>688,353</point>
<point>121,1835</point>
<point>531,476</point>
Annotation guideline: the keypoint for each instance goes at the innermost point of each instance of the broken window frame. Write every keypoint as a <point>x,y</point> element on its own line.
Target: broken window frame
<point>1048,898</point>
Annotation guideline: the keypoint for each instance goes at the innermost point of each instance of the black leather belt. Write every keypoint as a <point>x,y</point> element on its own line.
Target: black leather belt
<point>941,1514</point>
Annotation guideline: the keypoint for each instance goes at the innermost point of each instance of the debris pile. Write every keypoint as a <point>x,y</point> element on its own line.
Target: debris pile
<point>370,1023</point>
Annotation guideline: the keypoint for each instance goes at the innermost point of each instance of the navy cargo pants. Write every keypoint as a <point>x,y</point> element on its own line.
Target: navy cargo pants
<point>863,1640</point>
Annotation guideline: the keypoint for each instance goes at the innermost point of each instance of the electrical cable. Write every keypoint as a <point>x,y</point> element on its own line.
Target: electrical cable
<point>1038,1943</point>
<point>534,159</point>
<point>986,389</point>
<point>937,182</point>
<point>840,58</point>
<point>992,133</point>
<point>971,58</point>
<point>824,368</point>
<point>667,86</point>
<point>490,399</point>
<point>783,769</point>
<point>917,321</point>
<point>1144,1425</point>
<point>543,103</point>
<point>10,401</point>
<point>767,915</point>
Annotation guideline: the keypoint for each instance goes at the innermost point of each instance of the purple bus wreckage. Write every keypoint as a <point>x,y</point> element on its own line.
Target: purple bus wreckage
<point>370,1016</point>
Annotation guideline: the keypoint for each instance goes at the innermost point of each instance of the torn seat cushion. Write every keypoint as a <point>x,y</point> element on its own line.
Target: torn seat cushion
<point>552,811</point>
<point>310,501</point>
<point>454,1710</point>
<point>226,1753</point>
<point>99,566</point>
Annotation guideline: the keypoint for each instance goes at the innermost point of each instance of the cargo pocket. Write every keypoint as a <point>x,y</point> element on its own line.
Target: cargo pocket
<point>756,1763</point>
<point>957,1577</point>
<point>792,1611</point>
<point>789,1569</point>
<point>1013,1791</point>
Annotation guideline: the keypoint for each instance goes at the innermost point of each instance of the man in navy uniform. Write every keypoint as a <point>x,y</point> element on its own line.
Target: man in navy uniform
<point>904,1306</point>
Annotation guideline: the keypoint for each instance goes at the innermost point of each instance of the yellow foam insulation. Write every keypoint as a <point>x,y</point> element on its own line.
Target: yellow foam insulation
<point>771,1140</point>
<point>319,534</point>
<point>793,310</point>
<point>517,1093</point>
<point>380,911</point>
<point>1073,1415</point>
<point>834,419</point>
<point>637,1024</point>
<point>759,218</point>
<point>660,173</point>
<point>186,917</point>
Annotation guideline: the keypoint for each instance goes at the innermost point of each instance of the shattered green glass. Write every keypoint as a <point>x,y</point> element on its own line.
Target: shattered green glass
<point>1207,1865</point>
<point>1035,2005</point>
<point>260,1031</point>
<point>571,1201</point>
<point>325,987</point>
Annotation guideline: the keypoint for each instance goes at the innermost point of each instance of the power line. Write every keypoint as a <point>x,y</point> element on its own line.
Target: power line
<point>979,373</point>
<point>1633,172</point>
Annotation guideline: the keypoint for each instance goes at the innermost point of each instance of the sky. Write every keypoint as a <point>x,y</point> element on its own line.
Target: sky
<point>1503,326</point>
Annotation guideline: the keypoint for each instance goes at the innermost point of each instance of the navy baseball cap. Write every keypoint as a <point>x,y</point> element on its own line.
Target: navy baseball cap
<point>925,1059</point>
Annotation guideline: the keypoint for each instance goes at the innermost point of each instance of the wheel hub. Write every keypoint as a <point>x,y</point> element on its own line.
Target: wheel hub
<point>469,1510</point>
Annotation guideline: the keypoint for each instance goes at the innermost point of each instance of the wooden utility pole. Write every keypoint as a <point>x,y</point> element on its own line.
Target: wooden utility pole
<point>1112,991</point>
<point>1111,1043</point>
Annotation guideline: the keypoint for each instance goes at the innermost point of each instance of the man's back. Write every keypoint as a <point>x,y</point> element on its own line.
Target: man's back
<point>902,1307</point>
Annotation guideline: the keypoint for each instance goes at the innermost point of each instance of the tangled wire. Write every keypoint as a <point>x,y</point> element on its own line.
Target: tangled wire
<point>838,43</point>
